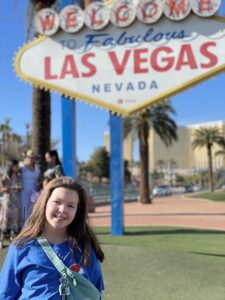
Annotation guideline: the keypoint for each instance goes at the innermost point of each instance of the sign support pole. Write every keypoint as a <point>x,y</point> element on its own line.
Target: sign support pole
<point>68,130</point>
<point>69,136</point>
<point>116,174</point>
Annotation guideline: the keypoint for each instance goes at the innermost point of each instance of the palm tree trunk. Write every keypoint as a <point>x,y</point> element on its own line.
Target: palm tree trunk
<point>41,108</point>
<point>144,183</point>
<point>210,169</point>
<point>41,127</point>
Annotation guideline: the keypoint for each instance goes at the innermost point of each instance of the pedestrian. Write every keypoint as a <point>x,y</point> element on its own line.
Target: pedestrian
<point>53,161</point>
<point>59,223</point>
<point>10,187</point>
<point>30,182</point>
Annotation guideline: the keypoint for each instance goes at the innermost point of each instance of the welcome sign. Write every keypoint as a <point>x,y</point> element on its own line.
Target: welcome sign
<point>125,69</point>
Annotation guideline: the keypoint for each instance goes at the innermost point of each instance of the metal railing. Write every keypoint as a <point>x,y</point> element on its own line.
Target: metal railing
<point>101,194</point>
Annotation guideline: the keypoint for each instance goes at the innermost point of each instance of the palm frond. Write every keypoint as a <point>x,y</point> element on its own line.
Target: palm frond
<point>158,117</point>
<point>207,136</point>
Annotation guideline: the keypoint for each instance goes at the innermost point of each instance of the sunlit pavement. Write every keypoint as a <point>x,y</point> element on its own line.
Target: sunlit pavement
<point>176,210</point>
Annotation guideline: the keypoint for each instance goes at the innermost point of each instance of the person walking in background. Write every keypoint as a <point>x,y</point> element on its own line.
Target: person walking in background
<point>54,170</point>
<point>10,186</point>
<point>30,182</point>
<point>53,161</point>
<point>59,223</point>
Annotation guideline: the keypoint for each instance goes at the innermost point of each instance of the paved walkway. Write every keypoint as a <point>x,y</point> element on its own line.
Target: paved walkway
<point>179,210</point>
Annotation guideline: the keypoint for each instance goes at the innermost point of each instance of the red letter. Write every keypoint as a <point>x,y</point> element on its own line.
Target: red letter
<point>168,60</point>
<point>205,5</point>
<point>153,11</point>
<point>138,60</point>
<point>177,8</point>
<point>212,57</point>
<point>71,19</point>
<point>93,18</point>
<point>47,68</point>
<point>88,64</point>
<point>48,22</point>
<point>190,59</point>
<point>69,67</point>
<point>119,9</point>
<point>119,67</point>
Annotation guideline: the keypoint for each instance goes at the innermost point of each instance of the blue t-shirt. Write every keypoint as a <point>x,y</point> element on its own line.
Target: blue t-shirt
<point>28,273</point>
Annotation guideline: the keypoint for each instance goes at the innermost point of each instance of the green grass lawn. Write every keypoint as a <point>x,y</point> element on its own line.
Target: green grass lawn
<point>158,263</point>
<point>149,263</point>
<point>215,196</point>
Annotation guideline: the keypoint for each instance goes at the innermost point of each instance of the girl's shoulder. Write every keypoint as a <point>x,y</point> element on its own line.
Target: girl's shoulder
<point>24,247</point>
<point>21,251</point>
<point>28,254</point>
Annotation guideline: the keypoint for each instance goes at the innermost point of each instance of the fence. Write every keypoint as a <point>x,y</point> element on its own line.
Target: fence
<point>101,194</point>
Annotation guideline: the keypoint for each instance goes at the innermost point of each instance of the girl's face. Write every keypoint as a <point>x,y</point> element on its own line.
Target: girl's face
<point>15,168</point>
<point>61,208</point>
<point>50,159</point>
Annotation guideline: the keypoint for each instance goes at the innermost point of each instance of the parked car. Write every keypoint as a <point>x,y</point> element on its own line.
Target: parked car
<point>162,190</point>
<point>197,188</point>
<point>188,189</point>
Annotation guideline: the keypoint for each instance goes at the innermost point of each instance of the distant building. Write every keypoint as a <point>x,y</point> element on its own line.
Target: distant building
<point>200,155</point>
<point>180,156</point>
<point>127,147</point>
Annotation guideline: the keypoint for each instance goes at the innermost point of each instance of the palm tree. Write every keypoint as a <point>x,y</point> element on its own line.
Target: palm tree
<point>172,164</point>
<point>160,165</point>
<point>27,126</point>
<point>139,124</point>
<point>207,137</point>
<point>41,101</point>
<point>5,131</point>
<point>15,146</point>
<point>221,151</point>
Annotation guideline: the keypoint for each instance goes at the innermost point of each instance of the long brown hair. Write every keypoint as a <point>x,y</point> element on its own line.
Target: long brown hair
<point>79,231</point>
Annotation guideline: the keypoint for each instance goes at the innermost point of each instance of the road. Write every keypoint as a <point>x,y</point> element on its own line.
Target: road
<point>177,210</point>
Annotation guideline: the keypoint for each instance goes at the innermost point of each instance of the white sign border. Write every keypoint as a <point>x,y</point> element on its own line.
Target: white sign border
<point>113,108</point>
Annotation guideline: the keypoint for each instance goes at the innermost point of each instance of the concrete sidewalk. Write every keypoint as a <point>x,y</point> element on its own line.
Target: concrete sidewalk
<point>177,210</point>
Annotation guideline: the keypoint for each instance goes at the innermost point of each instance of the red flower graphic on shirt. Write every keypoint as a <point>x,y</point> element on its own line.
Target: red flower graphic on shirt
<point>75,268</point>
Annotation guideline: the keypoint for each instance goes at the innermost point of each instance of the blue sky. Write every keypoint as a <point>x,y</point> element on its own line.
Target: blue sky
<point>202,103</point>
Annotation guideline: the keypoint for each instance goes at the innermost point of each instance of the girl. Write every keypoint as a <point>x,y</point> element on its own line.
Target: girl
<point>60,216</point>
<point>52,160</point>
<point>10,186</point>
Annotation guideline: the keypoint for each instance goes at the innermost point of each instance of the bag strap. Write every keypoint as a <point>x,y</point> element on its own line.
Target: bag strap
<point>61,268</point>
<point>59,265</point>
